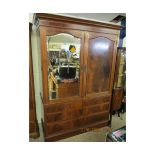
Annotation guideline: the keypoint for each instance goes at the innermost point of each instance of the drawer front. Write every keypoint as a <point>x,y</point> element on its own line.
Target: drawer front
<point>59,116</point>
<point>96,118</point>
<point>68,114</point>
<point>97,100</point>
<point>96,109</point>
<point>96,105</point>
<point>65,126</point>
<point>57,107</point>
<point>58,127</point>
<point>63,117</point>
<point>77,123</point>
<point>78,113</point>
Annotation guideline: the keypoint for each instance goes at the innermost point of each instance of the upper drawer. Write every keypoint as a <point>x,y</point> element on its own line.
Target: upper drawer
<point>96,109</point>
<point>56,107</point>
<point>60,107</point>
<point>97,100</point>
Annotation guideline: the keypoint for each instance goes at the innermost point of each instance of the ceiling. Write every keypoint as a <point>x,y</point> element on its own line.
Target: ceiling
<point>95,16</point>
<point>103,17</point>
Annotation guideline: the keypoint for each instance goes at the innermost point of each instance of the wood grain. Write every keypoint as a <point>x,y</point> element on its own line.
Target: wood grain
<point>91,107</point>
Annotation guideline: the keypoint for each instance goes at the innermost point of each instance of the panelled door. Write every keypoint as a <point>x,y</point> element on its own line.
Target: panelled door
<point>100,57</point>
<point>99,60</point>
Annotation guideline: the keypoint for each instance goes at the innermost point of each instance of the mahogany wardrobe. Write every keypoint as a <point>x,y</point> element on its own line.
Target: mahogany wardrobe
<point>77,65</point>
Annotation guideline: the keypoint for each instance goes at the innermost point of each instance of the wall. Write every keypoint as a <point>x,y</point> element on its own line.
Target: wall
<point>124,42</point>
<point>36,72</point>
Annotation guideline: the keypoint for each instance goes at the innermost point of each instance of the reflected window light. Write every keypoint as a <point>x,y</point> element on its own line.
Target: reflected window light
<point>102,46</point>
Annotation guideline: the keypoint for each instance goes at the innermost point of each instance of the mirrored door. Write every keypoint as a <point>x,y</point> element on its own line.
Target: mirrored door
<point>64,59</point>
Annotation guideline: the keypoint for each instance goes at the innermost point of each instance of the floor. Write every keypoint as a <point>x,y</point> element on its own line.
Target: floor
<point>92,136</point>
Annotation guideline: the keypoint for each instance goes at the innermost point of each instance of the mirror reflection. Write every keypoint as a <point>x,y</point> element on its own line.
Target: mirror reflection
<point>63,65</point>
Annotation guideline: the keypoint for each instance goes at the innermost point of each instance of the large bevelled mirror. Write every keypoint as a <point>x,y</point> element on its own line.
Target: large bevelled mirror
<point>63,52</point>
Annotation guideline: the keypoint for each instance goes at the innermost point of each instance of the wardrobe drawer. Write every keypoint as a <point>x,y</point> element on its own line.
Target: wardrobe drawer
<point>56,107</point>
<point>59,116</point>
<point>63,126</point>
<point>76,113</point>
<point>77,123</point>
<point>96,109</point>
<point>96,118</point>
<point>76,105</point>
<point>97,100</point>
<point>65,115</point>
<point>58,127</point>
<point>63,112</point>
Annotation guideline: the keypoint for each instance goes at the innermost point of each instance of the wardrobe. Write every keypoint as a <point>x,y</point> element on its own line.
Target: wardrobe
<point>119,89</point>
<point>77,65</point>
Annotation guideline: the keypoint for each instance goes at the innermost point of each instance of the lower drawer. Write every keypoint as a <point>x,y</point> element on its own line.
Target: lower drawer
<point>65,117</point>
<point>55,128</point>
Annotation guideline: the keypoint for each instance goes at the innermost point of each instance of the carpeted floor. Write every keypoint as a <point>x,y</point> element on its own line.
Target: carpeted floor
<point>92,136</point>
